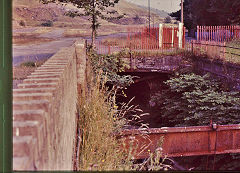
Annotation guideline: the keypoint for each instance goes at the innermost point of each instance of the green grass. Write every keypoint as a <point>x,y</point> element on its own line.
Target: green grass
<point>233,55</point>
<point>232,51</point>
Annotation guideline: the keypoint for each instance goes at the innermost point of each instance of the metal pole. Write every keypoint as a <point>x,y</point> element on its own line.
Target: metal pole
<point>181,11</point>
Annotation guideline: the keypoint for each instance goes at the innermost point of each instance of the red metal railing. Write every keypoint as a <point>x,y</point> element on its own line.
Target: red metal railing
<point>183,141</point>
<point>218,33</point>
<point>142,39</point>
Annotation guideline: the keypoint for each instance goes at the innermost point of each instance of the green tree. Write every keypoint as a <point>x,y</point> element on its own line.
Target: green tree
<point>95,9</point>
<point>209,12</point>
<point>195,100</point>
<point>167,19</point>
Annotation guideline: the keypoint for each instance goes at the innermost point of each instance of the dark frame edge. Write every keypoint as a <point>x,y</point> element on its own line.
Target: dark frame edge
<point>6,86</point>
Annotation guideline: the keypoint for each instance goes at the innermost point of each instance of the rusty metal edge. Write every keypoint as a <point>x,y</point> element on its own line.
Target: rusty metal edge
<point>188,154</point>
<point>164,130</point>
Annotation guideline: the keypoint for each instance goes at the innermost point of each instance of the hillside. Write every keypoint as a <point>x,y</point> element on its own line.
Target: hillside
<point>32,13</point>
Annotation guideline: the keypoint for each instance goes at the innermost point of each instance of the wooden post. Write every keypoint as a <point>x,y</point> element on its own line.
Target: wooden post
<point>180,35</point>
<point>224,49</point>
<point>160,35</point>
<point>172,36</point>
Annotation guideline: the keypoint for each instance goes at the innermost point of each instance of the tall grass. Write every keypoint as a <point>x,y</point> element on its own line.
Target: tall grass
<point>101,123</point>
<point>233,55</point>
<point>100,149</point>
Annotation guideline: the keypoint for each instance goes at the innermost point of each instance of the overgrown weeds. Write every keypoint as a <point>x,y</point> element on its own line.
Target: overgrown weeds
<point>100,149</point>
<point>101,122</point>
<point>233,51</point>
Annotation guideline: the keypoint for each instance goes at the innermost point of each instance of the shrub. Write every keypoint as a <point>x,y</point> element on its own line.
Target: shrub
<point>110,65</point>
<point>191,99</point>
<point>28,64</point>
<point>48,23</point>
<point>22,23</point>
<point>167,19</point>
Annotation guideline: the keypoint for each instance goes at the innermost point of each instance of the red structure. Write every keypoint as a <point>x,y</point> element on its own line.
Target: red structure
<point>218,33</point>
<point>148,39</point>
<point>183,141</point>
<point>145,39</point>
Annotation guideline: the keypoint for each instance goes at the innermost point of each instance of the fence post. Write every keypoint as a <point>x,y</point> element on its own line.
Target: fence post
<point>160,35</point>
<point>108,49</point>
<point>197,33</point>
<point>192,45</point>
<point>172,36</point>
<point>224,49</point>
<point>180,34</point>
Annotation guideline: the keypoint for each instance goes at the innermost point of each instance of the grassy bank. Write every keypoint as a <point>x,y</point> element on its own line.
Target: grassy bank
<point>100,150</point>
<point>101,121</point>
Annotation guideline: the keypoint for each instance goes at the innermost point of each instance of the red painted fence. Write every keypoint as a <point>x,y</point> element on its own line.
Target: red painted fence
<point>143,39</point>
<point>218,33</point>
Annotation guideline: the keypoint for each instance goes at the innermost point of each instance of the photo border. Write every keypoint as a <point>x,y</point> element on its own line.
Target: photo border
<point>6,86</point>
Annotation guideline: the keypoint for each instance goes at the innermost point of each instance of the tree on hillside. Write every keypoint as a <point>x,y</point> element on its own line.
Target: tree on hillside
<point>94,9</point>
<point>209,12</point>
<point>167,19</point>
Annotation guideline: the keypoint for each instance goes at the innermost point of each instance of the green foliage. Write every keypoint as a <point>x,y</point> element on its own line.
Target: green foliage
<point>100,150</point>
<point>22,23</point>
<point>233,51</point>
<point>195,100</point>
<point>109,66</point>
<point>48,23</point>
<point>101,123</point>
<point>167,19</point>
<point>28,64</point>
<point>209,12</point>
<point>94,9</point>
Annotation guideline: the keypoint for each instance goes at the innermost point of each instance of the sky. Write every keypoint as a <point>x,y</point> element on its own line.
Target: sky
<point>166,5</point>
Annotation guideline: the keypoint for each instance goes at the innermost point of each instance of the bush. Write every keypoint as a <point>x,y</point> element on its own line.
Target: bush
<point>196,100</point>
<point>48,23</point>
<point>28,64</point>
<point>22,23</point>
<point>168,19</point>
<point>110,65</point>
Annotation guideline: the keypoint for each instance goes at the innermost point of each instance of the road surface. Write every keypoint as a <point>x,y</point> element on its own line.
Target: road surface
<point>36,52</point>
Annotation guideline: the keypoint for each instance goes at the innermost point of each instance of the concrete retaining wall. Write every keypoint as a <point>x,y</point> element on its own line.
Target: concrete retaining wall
<point>44,112</point>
